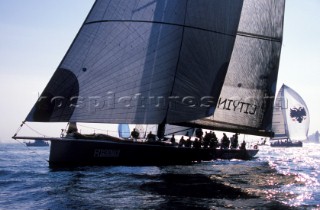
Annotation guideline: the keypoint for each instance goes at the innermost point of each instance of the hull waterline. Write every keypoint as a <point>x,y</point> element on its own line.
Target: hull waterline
<point>287,144</point>
<point>67,152</point>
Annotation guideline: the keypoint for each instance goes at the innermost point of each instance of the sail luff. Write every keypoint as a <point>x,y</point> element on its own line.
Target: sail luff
<point>285,106</point>
<point>161,132</point>
<point>291,115</point>
<point>45,97</point>
<point>279,125</point>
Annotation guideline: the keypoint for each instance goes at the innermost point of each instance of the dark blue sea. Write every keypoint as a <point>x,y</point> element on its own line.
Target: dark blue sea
<point>277,179</point>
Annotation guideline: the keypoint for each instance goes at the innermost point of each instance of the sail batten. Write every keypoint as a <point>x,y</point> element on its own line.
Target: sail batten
<point>180,25</point>
<point>268,38</point>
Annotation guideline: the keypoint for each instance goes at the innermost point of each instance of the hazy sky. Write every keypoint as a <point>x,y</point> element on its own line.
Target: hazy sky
<point>35,34</point>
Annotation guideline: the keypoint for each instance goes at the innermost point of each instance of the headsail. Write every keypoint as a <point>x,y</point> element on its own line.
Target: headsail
<point>124,131</point>
<point>246,101</point>
<point>291,117</point>
<point>144,62</point>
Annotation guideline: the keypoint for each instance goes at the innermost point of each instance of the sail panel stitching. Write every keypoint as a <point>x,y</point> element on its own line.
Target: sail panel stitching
<point>239,33</point>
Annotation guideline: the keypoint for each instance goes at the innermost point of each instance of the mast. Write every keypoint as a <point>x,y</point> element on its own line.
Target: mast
<point>161,130</point>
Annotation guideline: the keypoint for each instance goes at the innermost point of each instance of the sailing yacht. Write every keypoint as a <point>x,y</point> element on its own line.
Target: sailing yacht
<point>197,64</point>
<point>291,119</point>
<point>37,143</point>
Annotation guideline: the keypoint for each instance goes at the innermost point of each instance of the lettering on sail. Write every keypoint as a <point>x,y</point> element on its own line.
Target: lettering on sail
<point>106,153</point>
<point>237,106</point>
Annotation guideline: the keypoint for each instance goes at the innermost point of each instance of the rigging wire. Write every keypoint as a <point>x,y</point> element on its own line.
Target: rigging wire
<point>18,130</point>
<point>32,129</point>
<point>35,131</point>
<point>96,128</point>
<point>32,151</point>
<point>17,140</point>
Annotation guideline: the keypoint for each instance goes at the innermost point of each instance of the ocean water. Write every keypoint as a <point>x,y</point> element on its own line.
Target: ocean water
<point>279,178</point>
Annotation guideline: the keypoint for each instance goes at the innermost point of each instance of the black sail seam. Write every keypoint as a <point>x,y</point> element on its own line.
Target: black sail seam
<point>257,36</point>
<point>239,33</point>
<point>178,61</point>
<point>159,22</point>
<point>161,126</point>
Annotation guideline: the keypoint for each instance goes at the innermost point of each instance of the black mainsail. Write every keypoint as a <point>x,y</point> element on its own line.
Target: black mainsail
<point>143,62</point>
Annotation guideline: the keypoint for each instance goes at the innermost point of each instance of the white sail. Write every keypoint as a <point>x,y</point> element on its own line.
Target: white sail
<point>278,119</point>
<point>291,117</point>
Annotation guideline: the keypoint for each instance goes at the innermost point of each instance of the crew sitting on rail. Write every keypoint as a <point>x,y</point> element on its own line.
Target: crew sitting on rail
<point>173,140</point>
<point>225,142</point>
<point>234,141</point>
<point>206,140</point>
<point>182,142</point>
<point>243,145</point>
<point>197,144</point>
<point>151,137</point>
<point>214,143</point>
<point>199,133</point>
<point>188,142</point>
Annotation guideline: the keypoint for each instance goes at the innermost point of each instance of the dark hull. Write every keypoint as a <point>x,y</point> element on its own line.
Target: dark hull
<point>104,152</point>
<point>286,144</point>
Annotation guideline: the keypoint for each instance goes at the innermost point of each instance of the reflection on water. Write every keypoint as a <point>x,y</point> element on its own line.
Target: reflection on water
<point>303,163</point>
<point>193,185</point>
<point>278,179</point>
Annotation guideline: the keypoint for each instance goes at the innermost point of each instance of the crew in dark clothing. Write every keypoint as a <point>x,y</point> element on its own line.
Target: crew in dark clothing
<point>214,143</point>
<point>182,142</point>
<point>197,144</point>
<point>151,137</point>
<point>135,134</point>
<point>243,145</point>
<point>188,142</point>
<point>225,142</point>
<point>234,141</point>
<point>173,140</point>
<point>199,134</point>
<point>206,140</point>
